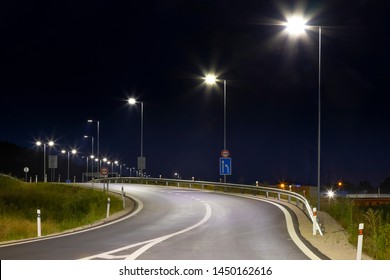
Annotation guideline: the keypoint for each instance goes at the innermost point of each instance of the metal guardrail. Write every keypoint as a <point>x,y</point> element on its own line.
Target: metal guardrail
<point>268,192</point>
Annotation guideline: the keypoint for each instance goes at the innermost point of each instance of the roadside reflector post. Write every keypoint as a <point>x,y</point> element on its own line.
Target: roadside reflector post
<point>39,222</point>
<point>314,221</point>
<point>108,207</point>
<point>360,242</point>
<point>123,198</point>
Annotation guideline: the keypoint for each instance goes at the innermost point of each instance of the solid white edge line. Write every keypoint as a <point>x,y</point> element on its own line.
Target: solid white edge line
<point>290,229</point>
<point>136,211</point>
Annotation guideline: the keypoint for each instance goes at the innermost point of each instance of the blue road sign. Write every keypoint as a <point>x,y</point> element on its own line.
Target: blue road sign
<point>225,166</point>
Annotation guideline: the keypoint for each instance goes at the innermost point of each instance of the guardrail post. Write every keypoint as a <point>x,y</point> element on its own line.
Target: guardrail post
<point>39,222</point>
<point>360,242</point>
<point>314,221</point>
<point>278,196</point>
<point>108,207</point>
<point>289,199</point>
<point>266,194</point>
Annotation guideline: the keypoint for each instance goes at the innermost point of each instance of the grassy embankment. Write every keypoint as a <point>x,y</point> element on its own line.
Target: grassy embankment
<point>376,234</point>
<point>62,206</point>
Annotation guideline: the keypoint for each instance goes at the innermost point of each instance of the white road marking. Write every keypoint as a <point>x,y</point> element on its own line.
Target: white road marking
<point>60,235</point>
<point>290,229</point>
<point>150,243</point>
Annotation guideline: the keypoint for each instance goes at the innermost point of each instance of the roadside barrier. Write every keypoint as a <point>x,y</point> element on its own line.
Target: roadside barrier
<point>267,192</point>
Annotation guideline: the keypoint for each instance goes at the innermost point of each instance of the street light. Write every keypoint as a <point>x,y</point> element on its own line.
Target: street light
<point>211,79</point>
<point>98,144</point>
<point>87,136</point>
<point>297,25</point>
<point>92,160</point>
<point>39,143</point>
<point>97,164</point>
<point>141,160</point>
<point>73,151</point>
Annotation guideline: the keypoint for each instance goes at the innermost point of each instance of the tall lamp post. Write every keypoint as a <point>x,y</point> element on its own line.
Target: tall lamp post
<point>141,160</point>
<point>73,151</point>
<point>39,143</point>
<point>211,79</point>
<point>296,26</point>
<point>87,136</point>
<point>98,143</point>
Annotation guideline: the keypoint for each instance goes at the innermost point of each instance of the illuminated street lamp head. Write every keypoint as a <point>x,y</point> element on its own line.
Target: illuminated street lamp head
<point>38,143</point>
<point>132,101</point>
<point>63,151</point>
<point>74,151</point>
<point>296,25</point>
<point>210,79</point>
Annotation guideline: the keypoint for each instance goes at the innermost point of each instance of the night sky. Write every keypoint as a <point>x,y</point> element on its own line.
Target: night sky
<point>64,62</point>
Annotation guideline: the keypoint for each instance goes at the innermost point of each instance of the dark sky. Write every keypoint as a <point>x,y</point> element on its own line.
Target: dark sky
<point>63,62</point>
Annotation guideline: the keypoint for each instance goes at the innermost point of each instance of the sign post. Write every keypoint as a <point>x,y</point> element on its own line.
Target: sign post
<point>104,171</point>
<point>26,171</point>
<point>225,166</point>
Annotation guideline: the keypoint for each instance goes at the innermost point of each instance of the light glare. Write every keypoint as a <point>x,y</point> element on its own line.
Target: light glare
<point>330,194</point>
<point>296,25</point>
<point>210,79</point>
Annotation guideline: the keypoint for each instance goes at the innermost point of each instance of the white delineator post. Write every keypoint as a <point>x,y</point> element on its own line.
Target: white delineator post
<point>108,207</point>
<point>360,242</point>
<point>123,198</point>
<point>39,222</point>
<point>314,221</point>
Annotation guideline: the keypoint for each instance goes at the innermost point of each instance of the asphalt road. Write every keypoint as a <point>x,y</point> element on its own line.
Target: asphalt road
<point>174,223</point>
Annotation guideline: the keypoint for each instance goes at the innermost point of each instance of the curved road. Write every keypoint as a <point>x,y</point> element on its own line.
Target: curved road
<point>174,223</point>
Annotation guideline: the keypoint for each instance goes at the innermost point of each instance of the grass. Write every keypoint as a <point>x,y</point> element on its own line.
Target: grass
<point>62,206</point>
<point>376,234</point>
